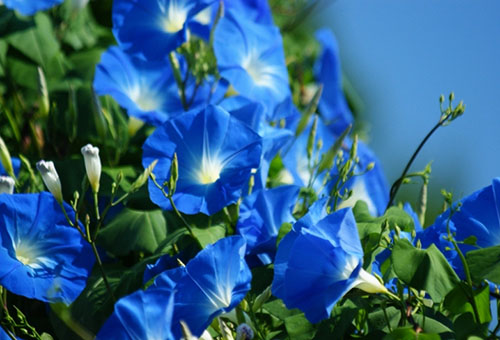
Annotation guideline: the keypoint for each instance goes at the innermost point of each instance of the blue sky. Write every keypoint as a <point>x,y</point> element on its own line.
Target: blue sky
<point>401,55</point>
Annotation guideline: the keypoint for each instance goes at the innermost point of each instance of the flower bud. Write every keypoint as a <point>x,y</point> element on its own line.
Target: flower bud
<point>6,185</point>
<point>369,283</point>
<point>5,158</point>
<point>50,178</point>
<point>244,332</point>
<point>43,93</point>
<point>92,165</point>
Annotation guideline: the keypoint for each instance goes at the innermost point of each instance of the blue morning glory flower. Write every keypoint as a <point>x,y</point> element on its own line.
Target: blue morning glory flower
<point>154,28</point>
<point>257,11</point>
<point>41,256</point>
<point>370,187</point>
<point>146,89</point>
<point>333,105</point>
<point>141,315</point>
<point>261,215</point>
<point>216,154</point>
<point>478,216</point>
<point>319,261</point>
<point>213,282</point>
<point>250,56</point>
<point>273,138</point>
<point>30,7</point>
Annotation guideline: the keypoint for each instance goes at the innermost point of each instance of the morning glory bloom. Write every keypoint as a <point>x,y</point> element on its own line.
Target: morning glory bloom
<point>257,11</point>
<point>250,56</point>
<point>154,28</point>
<point>273,138</point>
<point>213,282</point>
<point>478,216</point>
<point>146,89</point>
<point>216,154</point>
<point>319,261</point>
<point>141,315</point>
<point>30,7</point>
<point>261,215</point>
<point>332,105</point>
<point>41,256</point>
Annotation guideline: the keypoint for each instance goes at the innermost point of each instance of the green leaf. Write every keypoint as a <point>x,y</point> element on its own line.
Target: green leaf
<point>457,302</point>
<point>298,327</point>
<point>485,263</point>
<point>37,42</point>
<point>372,230</point>
<point>134,231</point>
<point>423,269</point>
<point>284,229</point>
<point>407,333</point>
<point>210,235</point>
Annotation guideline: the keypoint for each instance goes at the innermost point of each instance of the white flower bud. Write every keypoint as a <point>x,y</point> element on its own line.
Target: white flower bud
<point>5,158</point>
<point>50,178</point>
<point>92,165</point>
<point>369,283</point>
<point>6,185</point>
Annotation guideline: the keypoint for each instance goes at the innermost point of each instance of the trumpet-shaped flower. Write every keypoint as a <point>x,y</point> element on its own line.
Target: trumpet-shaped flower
<point>261,215</point>
<point>332,105</point>
<point>478,216</point>
<point>213,282</point>
<point>319,261</point>
<point>41,256</point>
<point>141,315</point>
<point>28,7</point>
<point>154,28</point>
<point>146,89</point>
<point>273,138</point>
<point>250,56</point>
<point>216,153</point>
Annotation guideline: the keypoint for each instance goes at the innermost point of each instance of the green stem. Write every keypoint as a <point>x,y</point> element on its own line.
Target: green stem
<point>103,273</point>
<point>178,79</point>
<point>387,319</point>
<point>468,278</point>
<point>96,206</point>
<point>397,184</point>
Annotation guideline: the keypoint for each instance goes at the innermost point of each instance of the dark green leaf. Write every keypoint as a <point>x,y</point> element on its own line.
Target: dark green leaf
<point>423,269</point>
<point>298,327</point>
<point>38,42</point>
<point>408,333</point>
<point>134,231</point>
<point>485,263</point>
<point>327,158</point>
<point>457,301</point>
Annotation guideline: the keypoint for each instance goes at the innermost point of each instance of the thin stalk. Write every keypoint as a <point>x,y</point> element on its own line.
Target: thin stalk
<point>103,273</point>
<point>178,79</point>
<point>397,184</point>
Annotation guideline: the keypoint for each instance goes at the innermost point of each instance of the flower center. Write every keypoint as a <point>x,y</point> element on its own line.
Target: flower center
<point>209,171</point>
<point>176,16</point>
<point>258,71</point>
<point>144,99</point>
<point>26,254</point>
